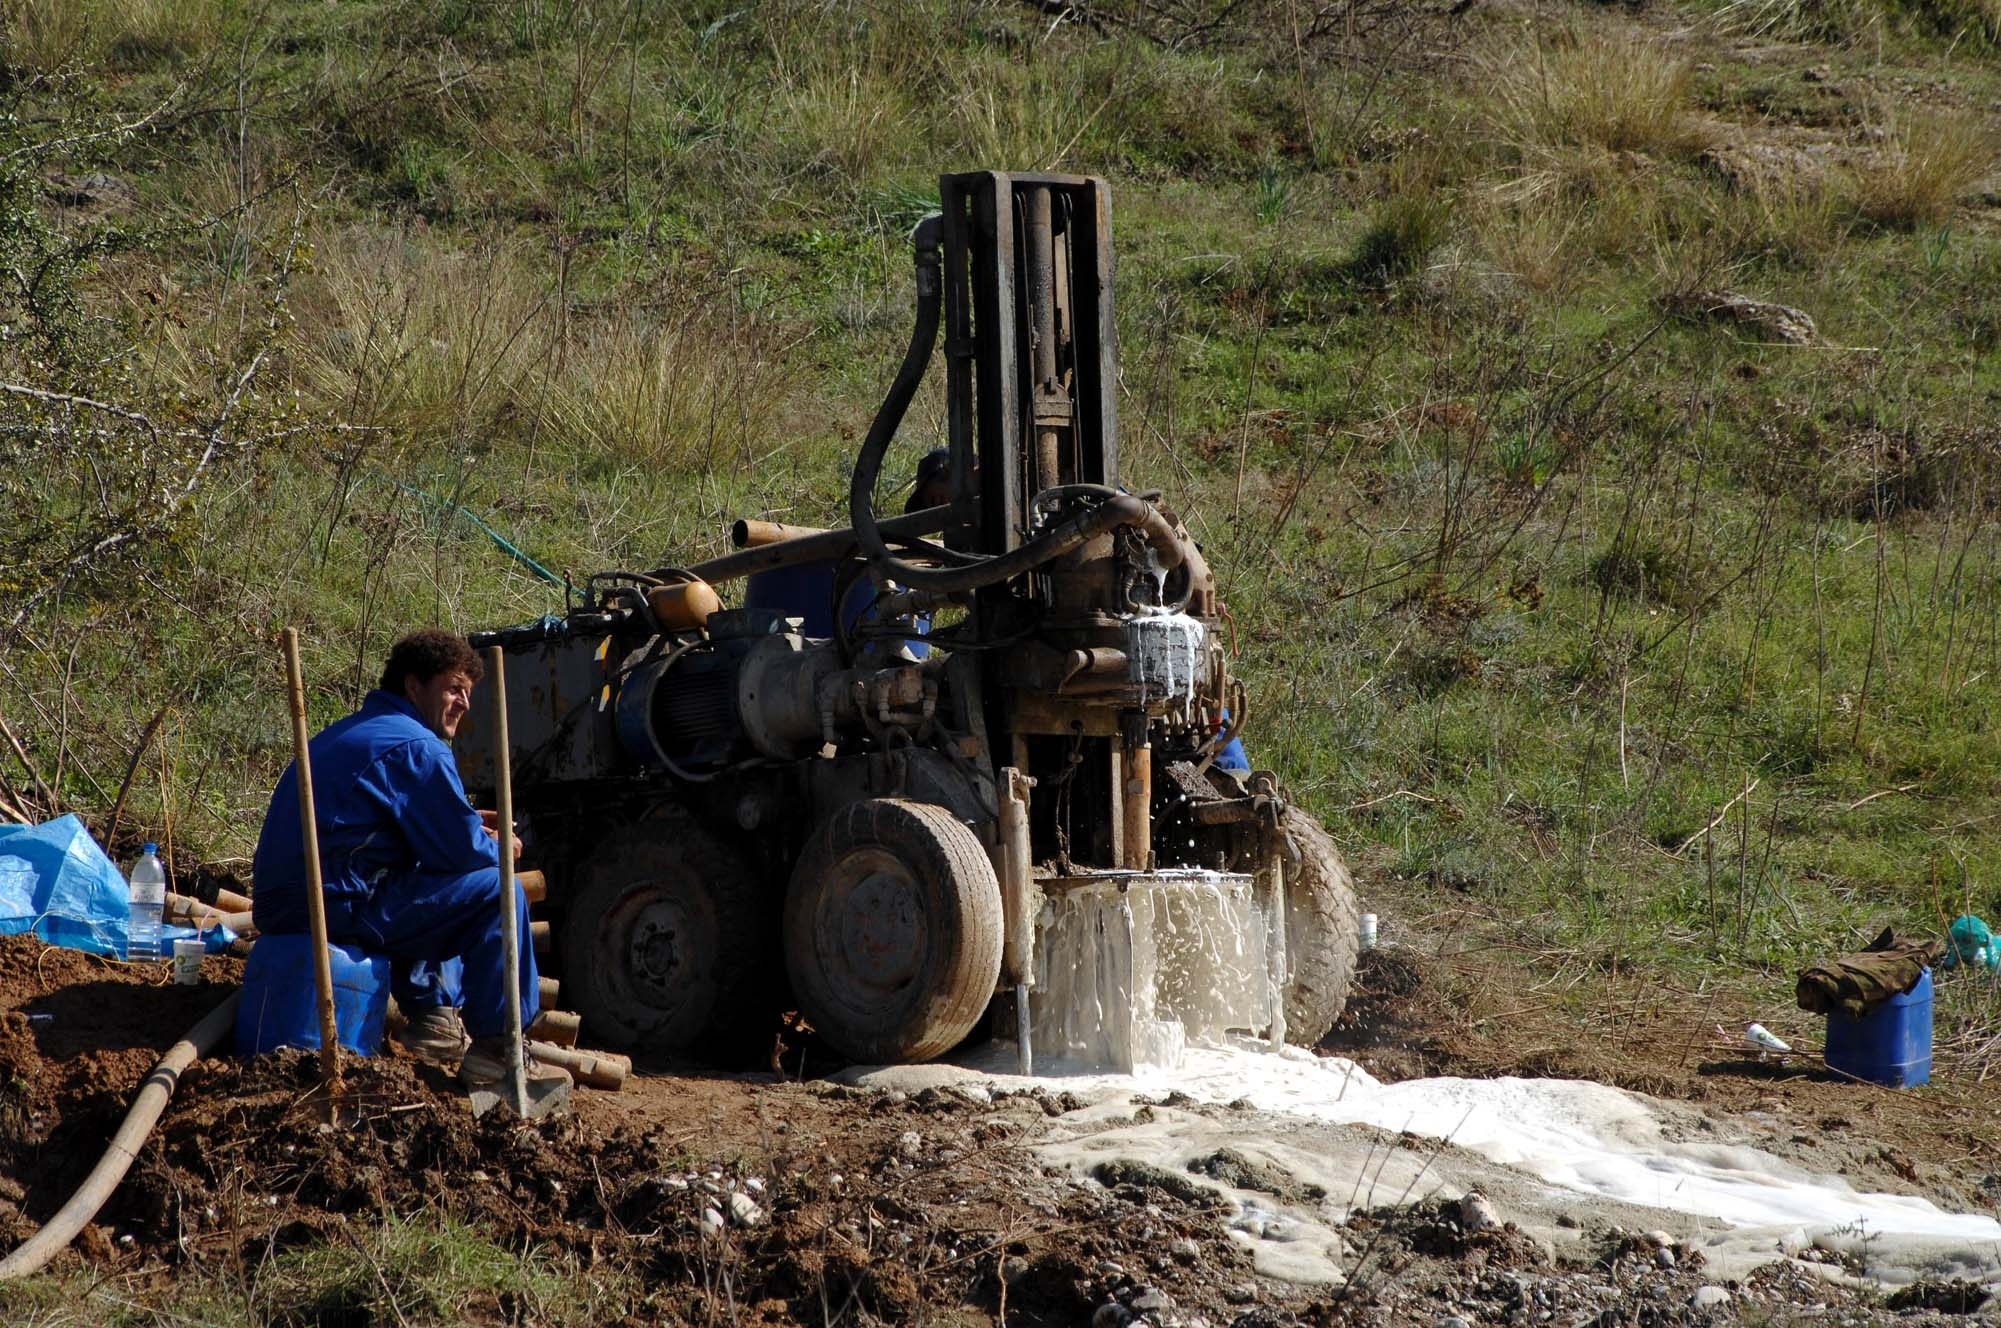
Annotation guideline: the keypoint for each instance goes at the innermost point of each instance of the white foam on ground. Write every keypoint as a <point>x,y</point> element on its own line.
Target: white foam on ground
<point>1589,1138</point>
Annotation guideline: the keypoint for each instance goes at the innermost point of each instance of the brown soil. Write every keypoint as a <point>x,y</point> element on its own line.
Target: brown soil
<point>891,1207</point>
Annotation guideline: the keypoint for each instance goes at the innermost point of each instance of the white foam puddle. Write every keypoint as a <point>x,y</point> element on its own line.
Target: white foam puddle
<point>1592,1140</point>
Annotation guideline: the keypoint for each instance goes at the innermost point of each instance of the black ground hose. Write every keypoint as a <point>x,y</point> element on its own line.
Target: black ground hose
<point>1115,509</point>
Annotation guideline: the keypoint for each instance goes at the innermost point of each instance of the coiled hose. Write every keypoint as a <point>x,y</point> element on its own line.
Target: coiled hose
<point>60,1230</point>
<point>1112,510</point>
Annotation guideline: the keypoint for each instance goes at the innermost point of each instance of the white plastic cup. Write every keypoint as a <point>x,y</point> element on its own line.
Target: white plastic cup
<point>1368,931</point>
<point>187,962</point>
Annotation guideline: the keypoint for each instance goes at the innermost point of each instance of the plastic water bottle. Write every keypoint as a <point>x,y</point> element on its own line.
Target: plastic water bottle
<point>149,900</point>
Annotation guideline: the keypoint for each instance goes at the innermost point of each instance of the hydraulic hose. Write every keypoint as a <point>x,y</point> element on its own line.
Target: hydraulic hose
<point>60,1230</point>
<point>1115,508</point>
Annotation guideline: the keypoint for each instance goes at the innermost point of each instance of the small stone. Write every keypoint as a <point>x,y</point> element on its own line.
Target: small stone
<point>1241,1293</point>
<point>1665,1258</point>
<point>1451,1321</point>
<point>1477,1214</point>
<point>1013,1269</point>
<point>1186,1250</point>
<point>1151,1298</point>
<point>910,1143</point>
<point>1660,1240</point>
<point>1709,1298</point>
<point>1111,1314</point>
<point>744,1210</point>
<point>712,1224</point>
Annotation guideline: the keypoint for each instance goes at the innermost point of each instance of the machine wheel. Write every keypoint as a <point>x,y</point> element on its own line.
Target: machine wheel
<point>668,944</point>
<point>893,931</point>
<point>1321,931</point>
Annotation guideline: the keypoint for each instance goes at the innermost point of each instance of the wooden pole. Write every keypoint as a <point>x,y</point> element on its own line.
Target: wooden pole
<point>316,904</point>
<point>510,931</point>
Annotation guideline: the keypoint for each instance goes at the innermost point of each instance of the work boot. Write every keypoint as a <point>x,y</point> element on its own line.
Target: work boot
<point>435,1033</point>
<point>485,1065</point>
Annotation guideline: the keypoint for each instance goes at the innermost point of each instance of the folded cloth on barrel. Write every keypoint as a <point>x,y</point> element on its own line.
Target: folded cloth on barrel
<point>1855,984</point>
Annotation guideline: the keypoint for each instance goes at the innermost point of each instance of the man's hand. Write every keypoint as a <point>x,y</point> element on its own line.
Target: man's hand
<point>489,821</point>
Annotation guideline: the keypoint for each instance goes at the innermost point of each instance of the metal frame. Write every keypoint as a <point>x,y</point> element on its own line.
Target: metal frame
<point>990,346</point>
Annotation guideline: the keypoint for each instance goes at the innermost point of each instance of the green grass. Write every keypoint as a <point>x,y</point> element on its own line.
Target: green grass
<point>416,1271</point>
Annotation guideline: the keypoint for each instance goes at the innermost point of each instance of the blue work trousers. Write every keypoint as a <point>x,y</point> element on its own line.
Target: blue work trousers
<point>426,921</point>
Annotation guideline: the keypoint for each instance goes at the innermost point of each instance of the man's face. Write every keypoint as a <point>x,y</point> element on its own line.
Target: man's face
<point>442,701</point>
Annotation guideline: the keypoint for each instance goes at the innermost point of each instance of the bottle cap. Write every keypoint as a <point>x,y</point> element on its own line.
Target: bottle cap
<point>149,847</point>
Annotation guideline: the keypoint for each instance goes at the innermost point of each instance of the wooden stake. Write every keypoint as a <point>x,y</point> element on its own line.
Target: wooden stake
<point>316,904</point>
<point>516,1082</point>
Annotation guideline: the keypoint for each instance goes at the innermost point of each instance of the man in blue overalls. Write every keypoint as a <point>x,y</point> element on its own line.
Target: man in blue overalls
<point>411,870</point>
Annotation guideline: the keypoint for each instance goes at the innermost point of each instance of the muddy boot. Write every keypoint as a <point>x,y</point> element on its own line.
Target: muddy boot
<point>485,1065</point>
<point>436,1034</point>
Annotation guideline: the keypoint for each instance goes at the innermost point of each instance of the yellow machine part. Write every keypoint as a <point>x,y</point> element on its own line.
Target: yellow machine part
<point>684,606</point>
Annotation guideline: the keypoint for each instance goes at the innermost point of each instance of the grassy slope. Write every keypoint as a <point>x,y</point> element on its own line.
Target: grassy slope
<point>1530,577</point>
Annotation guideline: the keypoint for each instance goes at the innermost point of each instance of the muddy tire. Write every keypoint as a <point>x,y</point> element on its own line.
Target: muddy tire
<point>668,945</point>
<point>1321,931</point>
<point>893,931</point>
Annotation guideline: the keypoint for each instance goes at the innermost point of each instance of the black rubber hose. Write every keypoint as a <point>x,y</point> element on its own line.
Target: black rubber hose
<point>1116,509</point>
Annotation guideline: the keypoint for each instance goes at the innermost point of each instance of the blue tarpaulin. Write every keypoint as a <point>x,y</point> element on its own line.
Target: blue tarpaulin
<point>56,882</point>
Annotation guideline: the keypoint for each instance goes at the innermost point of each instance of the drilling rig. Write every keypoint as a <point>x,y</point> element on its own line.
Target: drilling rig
<point>993,796</point>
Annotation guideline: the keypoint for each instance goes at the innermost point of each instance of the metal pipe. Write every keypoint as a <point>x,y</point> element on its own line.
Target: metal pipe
<point>749,533</point>
<point>516,1079</point>
<point>316,904</point>
<point>1019,906</point>
<point>1136,807</point>
<point>826,546</point>
<point>1040,262</point>
<point>151,1100</point>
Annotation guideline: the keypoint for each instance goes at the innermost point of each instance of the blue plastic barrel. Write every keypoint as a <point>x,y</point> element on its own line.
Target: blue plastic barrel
<point>279,1008</point>
<point>1891,1045</point>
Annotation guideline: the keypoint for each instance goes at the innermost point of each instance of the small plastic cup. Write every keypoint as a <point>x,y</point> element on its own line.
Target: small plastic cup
<point>187,962</point>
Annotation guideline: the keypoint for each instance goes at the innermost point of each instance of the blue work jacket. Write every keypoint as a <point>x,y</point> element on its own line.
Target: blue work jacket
<point>390,809</point>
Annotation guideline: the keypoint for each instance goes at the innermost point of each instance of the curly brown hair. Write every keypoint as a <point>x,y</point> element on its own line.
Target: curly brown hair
<point>424,655</point>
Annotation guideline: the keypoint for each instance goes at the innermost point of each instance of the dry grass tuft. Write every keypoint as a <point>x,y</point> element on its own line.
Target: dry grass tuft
<point>423,339</point>
<point>1930,162</point>
<point>1617,93</point>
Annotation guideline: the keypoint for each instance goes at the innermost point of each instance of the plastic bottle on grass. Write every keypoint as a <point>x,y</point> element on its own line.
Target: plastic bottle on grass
<point>149,901</point>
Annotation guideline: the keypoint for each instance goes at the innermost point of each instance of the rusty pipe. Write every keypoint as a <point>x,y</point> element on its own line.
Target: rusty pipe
<point>826,546</point>
<point>1136,806</point>
<point>750,533</point>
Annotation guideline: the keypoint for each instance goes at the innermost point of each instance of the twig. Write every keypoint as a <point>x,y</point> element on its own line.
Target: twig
<point>1881,793</point>
<point>1717,819</point>
<point>1398,793</point>
<point>131,770</point>
<point>41,785</point>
